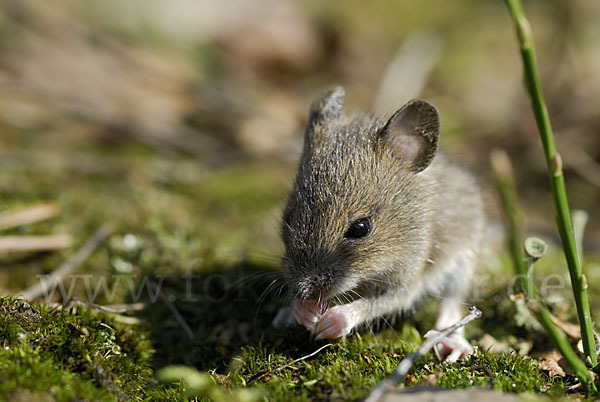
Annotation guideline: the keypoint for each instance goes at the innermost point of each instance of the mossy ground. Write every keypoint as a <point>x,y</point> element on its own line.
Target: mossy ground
<point>211,244</point>
<point>51,353</point>
<point>202,223</point>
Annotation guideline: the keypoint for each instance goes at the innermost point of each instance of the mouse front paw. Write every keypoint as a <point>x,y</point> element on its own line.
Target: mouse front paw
<point>308,313</point>
<point>453,346</point>
<point>336,322</point>
<point>305,312</point>
<point>284,318</point>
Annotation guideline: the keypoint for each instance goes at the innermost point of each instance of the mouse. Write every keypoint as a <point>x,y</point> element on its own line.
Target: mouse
<point>377,222</point>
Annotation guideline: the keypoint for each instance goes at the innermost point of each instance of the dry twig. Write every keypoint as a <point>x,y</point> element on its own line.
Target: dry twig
<point>114,308</point>
<point>278,369</point>
<point>70,264</point>
<point>74,303</point>
<point>34,243</point>
<point>407,363</point>
<point>29,215</point>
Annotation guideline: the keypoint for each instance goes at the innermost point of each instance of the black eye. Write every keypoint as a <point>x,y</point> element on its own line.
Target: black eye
<point>359,229</point>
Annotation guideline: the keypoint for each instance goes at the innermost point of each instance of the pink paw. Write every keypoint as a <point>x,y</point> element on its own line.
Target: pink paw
<point>284,318</point>
<point>336,322</point>
<point>454,346</point>
<point>308,313</point>
<point>323,322</point>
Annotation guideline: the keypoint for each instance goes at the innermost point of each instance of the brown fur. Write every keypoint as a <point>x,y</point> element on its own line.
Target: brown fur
<point>425,211</point>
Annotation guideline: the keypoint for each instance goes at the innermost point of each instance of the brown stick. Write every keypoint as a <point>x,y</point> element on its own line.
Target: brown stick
<point>114,308</point>
<point>406,364</point>
<point>34,243</point>
<point>29,215</point>
<point>70,264</point>
<point>116,316</point>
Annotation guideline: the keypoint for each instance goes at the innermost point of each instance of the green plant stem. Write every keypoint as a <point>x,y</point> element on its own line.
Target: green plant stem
<point>502,170</point>
<point>555,173</point>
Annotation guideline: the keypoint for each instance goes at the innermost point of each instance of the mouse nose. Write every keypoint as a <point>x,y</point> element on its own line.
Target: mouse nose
<point>313,287</point>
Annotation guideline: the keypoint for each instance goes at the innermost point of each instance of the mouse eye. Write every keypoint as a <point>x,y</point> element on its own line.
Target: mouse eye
<point>359,229</point>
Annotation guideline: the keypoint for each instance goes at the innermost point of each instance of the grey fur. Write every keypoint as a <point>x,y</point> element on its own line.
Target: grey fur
<point>329,106</point>
<point>427,214</point>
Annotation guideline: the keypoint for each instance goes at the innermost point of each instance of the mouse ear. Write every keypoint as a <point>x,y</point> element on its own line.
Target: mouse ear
<point>412,133</point>
<point>329,106</point>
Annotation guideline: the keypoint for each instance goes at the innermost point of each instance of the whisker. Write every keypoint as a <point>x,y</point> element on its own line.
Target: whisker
<point>282,286</point>
<point>254,277</point>
<point>264,294</point>
<point>390,326</point>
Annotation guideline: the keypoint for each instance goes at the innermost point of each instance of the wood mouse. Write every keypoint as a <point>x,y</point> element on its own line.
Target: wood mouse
<point>377,221</point>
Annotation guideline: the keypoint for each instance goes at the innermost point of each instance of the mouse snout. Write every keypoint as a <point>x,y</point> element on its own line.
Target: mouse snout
<point>315,286</point>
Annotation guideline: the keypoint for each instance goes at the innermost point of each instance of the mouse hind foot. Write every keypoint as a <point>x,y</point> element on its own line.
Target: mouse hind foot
<point>453,347</point>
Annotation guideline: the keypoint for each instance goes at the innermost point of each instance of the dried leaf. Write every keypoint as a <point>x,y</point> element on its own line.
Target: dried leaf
<point>573,331</point>
<point>430,379</point>
<point>550,362</point>
<point>489,343</point>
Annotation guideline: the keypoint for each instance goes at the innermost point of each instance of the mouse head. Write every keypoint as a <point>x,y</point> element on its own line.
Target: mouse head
<point>358,217</point>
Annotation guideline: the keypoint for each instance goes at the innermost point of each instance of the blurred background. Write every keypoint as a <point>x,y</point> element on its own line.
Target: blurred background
<point>181,121</point>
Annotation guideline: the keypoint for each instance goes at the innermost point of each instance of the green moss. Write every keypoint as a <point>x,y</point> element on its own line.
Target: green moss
<point>234,343</point>
<point>348,369</point>
<point>78,353</point>
<point>72,354</point>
